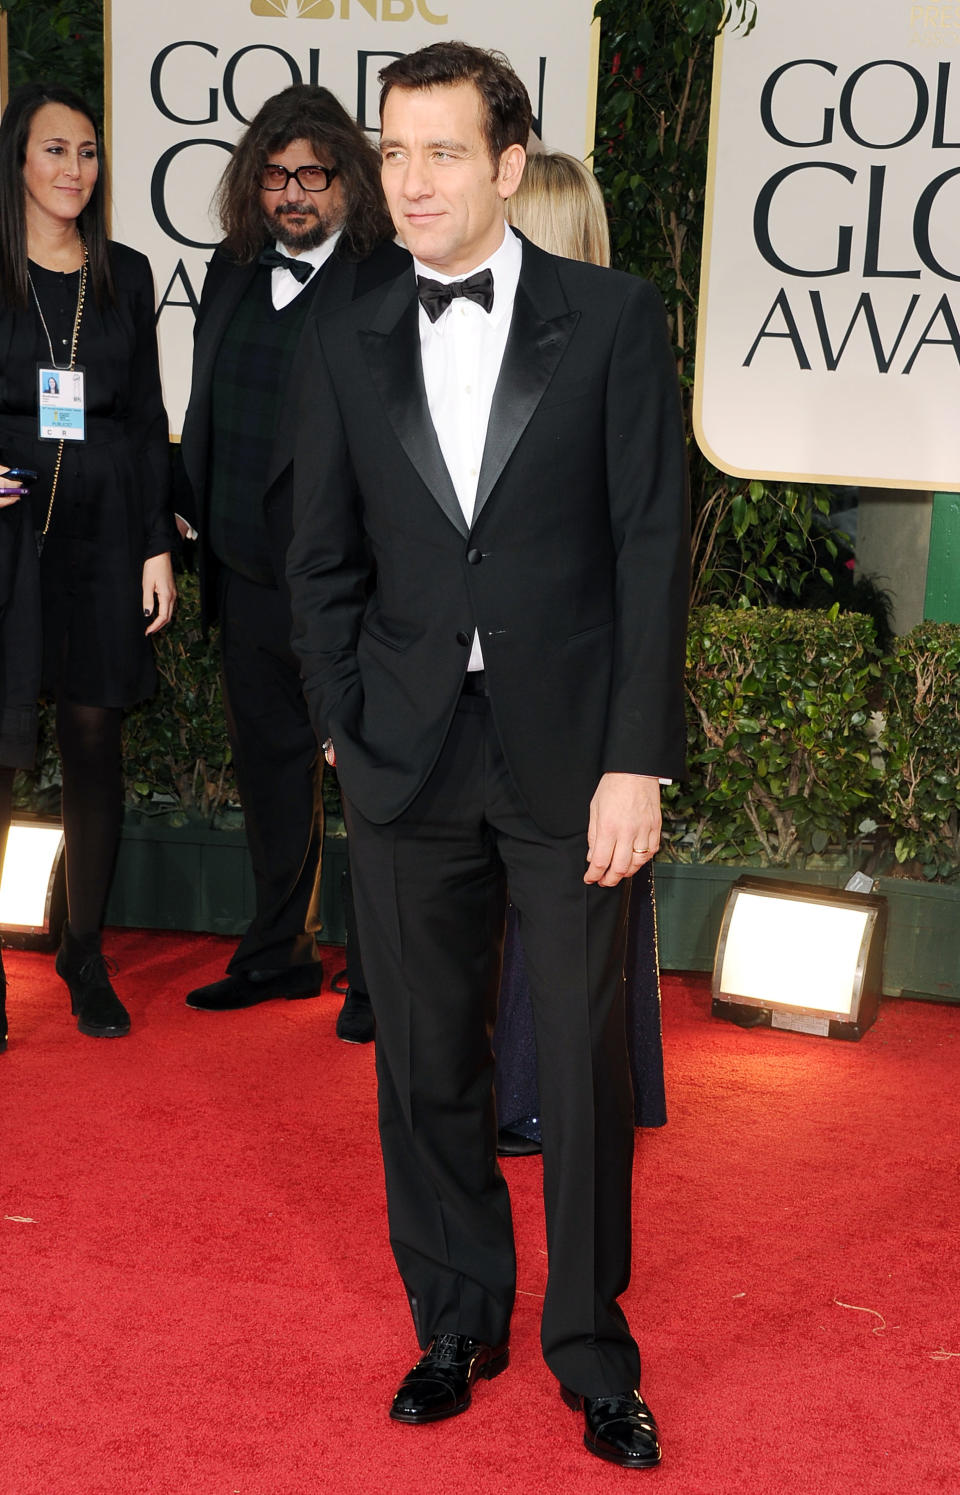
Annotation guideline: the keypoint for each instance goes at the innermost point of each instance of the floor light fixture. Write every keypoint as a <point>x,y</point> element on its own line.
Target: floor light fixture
<point>32,894</point>
<point>801,957</point>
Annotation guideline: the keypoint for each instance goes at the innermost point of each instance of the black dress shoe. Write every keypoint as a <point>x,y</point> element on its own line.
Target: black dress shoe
<point>439,1384</point>
<point>511,1144</point>
<point>355,1022</point>
<point>247,988</point>
<point>620,1429</point>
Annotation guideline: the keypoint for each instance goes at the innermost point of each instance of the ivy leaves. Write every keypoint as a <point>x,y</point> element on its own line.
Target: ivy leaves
<point>61,39</point>
<point>780,759</point>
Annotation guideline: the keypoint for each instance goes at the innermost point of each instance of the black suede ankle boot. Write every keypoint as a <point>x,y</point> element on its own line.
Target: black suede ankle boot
<point>93,1001</point>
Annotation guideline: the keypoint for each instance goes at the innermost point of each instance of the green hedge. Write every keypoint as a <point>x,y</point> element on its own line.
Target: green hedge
<point>920,795</point>
<point>803,742</point>
<point>176,750</point>
<point>778,715</point>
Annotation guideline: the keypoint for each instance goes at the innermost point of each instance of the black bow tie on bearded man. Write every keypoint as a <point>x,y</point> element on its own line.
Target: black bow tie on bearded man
<point>435,297</point>
<point>302,269</point>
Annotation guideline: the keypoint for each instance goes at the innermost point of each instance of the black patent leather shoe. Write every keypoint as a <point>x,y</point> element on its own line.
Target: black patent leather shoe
<point>511,1144</point>
<point>620,1429</point>
<point>439,1384</point>
<point>355,1022</point>
<point>248,988</point>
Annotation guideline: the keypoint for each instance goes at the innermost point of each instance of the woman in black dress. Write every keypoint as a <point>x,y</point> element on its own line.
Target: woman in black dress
<point>85,524</point>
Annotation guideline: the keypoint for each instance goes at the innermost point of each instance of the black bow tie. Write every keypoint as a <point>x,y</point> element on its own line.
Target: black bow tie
<point>302,269</point>
<point>436,297</point>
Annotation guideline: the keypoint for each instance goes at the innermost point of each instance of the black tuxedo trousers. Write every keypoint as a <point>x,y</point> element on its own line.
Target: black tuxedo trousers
<point>276,760</point>
<point>431,892</point>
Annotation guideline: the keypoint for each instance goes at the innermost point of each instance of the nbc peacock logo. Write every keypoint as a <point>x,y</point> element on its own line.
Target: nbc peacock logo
<point>305,10</point>
<point>330,10</point>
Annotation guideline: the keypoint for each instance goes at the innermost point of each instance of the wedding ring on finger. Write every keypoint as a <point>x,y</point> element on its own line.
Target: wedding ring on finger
<point>639,851</point>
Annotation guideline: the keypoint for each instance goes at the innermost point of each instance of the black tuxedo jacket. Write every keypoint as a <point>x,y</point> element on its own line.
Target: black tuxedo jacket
<point>224,286</point>
<point>574,570</point>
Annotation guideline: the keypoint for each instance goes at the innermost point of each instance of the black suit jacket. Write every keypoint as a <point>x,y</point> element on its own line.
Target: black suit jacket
<point>575,568</point>
<point>225,284</point>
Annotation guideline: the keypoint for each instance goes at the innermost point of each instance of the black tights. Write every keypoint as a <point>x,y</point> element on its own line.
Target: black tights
<point>89,741</point>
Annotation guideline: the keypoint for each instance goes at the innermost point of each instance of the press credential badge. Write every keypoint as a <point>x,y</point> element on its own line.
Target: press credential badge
<point>61,404</point>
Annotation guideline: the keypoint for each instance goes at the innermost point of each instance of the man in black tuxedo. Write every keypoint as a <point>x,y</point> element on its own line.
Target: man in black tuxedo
<point>489,585</point>
<point>306,231</point>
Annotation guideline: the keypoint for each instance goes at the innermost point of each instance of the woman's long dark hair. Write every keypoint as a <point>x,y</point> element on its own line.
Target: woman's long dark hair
<point>304,111</point>
<point>92,222</point>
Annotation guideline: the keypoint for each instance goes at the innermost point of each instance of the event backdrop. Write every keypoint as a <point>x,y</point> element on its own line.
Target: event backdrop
<point>829,333</point>
<point>184,76</point>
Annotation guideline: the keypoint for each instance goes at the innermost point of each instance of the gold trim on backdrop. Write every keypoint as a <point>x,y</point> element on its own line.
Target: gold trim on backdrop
<point>706,260</point>
<point>108,100</point>
<point>830,479</point>
<point>593,88</point>
<point>4,62</point>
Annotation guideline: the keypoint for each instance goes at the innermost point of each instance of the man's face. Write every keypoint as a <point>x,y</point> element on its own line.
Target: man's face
<point>296,218</point>
<point>445,194</point>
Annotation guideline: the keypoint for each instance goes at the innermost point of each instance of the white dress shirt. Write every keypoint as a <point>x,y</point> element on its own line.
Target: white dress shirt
<point>462,352</point>
<point>285,287</point>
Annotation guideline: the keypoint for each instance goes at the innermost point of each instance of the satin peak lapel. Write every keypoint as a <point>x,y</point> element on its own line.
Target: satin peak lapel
<point>392,352</point>
<point>534,348</point>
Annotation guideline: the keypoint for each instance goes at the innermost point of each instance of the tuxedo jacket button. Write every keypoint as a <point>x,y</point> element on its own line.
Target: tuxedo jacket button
<point>474,557</point>
<point>463,638</point>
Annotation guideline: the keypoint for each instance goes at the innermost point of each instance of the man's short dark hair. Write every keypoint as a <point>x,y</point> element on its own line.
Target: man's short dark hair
<point>304,111</point>
<point>505,116</point>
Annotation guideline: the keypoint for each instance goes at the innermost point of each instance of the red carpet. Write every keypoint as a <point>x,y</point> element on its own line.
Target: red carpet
<point>197,1296</point>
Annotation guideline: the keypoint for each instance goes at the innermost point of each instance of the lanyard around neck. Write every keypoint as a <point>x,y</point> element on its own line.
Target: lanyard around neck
<point>81,297</point>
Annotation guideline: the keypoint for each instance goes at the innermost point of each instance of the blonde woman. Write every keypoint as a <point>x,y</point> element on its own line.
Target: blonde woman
<point>559,206</point>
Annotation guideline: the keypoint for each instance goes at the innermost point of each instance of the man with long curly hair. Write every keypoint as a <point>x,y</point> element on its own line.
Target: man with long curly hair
<point>306,231</point>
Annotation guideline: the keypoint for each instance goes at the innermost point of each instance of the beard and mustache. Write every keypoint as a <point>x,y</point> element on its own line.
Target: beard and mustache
<point>314,231</point>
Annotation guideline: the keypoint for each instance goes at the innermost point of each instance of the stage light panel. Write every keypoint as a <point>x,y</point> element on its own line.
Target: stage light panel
<point>33,853</point>
<point>798,956</point>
